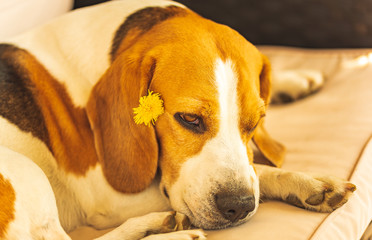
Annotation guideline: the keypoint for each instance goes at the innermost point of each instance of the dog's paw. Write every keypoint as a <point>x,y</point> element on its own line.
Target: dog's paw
<point>290,85</point>
<point>152,224</point>
<point>322,194</point>
<point>165,222</point>
<point>195,234</point>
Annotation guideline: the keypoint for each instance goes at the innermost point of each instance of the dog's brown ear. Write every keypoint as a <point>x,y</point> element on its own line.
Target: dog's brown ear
<point>128,153</point>
<point>272,150</point>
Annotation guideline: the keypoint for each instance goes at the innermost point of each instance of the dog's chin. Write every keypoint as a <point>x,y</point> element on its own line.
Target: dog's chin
<point>217,223</point>
<point>207,225</point>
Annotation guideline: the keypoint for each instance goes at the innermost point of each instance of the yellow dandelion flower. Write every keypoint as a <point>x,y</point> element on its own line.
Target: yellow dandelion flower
<point>149,109</point>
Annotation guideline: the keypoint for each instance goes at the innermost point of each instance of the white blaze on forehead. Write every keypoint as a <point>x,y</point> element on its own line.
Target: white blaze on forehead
<point>228,133</point>
<point>227,84</point>
<point>229,140</point>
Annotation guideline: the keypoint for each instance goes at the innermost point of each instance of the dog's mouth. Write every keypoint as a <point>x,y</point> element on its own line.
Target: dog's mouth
<point>208,217</point>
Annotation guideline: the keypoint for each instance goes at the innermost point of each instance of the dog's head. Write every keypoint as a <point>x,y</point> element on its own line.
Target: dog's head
<point>215,87</point>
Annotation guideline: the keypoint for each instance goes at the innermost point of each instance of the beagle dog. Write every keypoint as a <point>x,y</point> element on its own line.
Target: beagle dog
<point>72,155</point>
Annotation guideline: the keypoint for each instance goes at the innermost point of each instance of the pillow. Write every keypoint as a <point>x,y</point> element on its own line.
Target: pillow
<point>18,16</point>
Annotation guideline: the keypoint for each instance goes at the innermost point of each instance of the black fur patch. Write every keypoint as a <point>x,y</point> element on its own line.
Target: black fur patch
<point>143,20</point>
<point>17,102</point>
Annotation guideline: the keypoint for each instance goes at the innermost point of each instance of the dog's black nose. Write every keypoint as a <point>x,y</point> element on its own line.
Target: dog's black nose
<point>234,207</point>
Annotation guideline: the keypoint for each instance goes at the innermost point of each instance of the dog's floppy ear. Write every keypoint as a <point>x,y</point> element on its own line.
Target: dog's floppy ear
<point>272,150</point>
<point>127,152</point>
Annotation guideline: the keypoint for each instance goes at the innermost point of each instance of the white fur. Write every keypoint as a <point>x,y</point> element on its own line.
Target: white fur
<point>180,235</point>
<point>35,150</point>
<point>36,214</point>
<point>158,222</point>
<point>222,162</point>
<point>295,83</point>
<point>81,200</point>
<point>229,134</point>
<point>93,194</point>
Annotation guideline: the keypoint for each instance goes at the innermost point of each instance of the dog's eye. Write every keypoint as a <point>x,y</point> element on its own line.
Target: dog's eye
<point>251,130</point>
<point>191,121</point>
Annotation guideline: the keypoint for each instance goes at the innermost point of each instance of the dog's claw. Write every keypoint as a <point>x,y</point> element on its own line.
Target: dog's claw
<point>350,187</point>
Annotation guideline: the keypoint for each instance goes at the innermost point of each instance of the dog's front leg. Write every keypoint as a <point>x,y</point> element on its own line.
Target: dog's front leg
<point>314,192</point>
<point>148,226</point>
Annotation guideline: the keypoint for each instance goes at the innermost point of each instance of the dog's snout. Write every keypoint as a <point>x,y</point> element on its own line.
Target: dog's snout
<point>234,207</point>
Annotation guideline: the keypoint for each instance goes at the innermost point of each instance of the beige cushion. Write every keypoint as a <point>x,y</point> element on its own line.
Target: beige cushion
<point>18,16</point>
<point>323,133</point>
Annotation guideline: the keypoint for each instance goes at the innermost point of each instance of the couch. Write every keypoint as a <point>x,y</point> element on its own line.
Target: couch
<point>328,132</point>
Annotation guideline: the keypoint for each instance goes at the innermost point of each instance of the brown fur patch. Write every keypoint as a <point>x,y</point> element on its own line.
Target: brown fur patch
<point>272,150</point>
<point>254,92</point>
<point>185,78</point>
<point>151,61</point>
<point>140,22</point>
<point>127,152</point>
<point>70,136</point>
<point>17,101</point>
<point>7,200</point>
<point>185,49</point>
